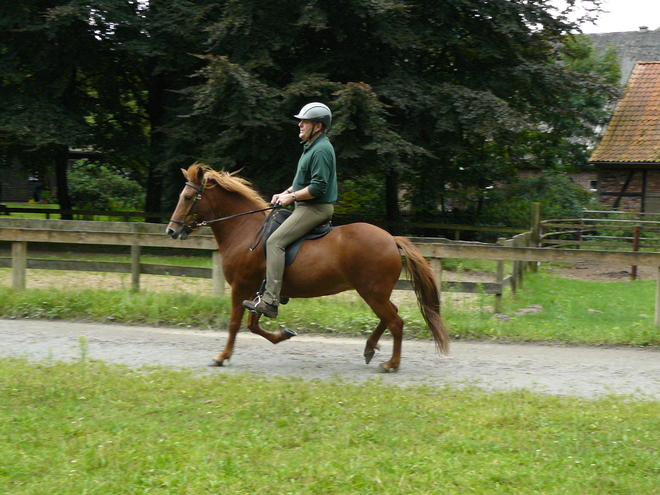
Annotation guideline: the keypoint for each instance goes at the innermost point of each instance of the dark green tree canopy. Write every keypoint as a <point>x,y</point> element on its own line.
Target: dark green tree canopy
<point>440,98</point>
<point>436,94</point>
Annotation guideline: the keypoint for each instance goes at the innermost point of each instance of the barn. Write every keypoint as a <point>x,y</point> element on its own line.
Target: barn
<point>627,160</point>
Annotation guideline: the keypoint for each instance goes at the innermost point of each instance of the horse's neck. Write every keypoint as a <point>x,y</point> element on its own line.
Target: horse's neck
<point>237,231</point>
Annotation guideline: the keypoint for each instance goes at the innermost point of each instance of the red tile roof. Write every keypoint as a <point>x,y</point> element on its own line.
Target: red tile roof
<point>633,134</point>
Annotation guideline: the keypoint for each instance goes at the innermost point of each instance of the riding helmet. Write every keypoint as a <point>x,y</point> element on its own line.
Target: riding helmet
<point>316,112</point>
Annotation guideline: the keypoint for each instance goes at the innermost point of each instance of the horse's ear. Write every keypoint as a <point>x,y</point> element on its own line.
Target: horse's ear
<point>185,173</point>
<point>200,175</point>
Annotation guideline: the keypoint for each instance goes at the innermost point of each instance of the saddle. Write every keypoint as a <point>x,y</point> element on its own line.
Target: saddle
<point>273,222</point>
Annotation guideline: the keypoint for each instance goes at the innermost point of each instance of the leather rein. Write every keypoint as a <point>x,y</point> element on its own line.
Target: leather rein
<point>189,227</point>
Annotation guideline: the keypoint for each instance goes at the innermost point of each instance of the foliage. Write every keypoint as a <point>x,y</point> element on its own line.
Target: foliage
<point>511,204</point>
<point>464,92</point>
<point>430,96</point>
<point>101,76</point>
<point>96,187</point>
<point>361,196</point>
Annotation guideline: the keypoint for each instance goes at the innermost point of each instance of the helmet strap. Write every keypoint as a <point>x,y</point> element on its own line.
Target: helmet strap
<point>313,134</point>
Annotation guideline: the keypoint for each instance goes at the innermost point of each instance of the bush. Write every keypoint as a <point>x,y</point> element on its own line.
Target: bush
<point>510,205</point>
<point>96,187</point>
<point>361,196</point>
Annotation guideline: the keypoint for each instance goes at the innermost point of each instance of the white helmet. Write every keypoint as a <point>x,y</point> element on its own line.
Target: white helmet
<point>316,112</point>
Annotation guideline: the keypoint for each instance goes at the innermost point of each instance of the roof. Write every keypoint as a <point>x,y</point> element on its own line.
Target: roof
<point>633,134</point>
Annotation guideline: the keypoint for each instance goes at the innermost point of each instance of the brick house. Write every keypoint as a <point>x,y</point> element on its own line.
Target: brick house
<point>627,160</point>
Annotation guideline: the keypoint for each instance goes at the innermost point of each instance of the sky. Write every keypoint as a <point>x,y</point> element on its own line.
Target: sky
<point>626,15</point>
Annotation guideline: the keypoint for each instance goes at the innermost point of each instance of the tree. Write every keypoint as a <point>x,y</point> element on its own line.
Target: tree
<point>439,95</point>
<point>433,97</point>
<point>100,75</point>
<point>44,86</point>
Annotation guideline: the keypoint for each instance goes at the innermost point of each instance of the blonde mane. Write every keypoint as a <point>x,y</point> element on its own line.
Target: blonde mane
<point>227,181</point>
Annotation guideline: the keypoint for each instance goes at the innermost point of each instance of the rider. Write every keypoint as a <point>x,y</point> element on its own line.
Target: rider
<point>313,191</point>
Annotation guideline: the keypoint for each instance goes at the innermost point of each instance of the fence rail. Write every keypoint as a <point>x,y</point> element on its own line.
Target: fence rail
<point>20,232</point>
<point>126,216</point>
<point>520,250</point>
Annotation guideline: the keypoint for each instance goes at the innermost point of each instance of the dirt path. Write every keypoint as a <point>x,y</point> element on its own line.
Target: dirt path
<point>582,371</point>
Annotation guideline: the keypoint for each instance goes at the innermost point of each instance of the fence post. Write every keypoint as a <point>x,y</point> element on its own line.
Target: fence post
<point>18,264</point>
<point>535,231</point>
<point>218,275</point>
<point>633,269</point>
<point>135,267</point>
<point>436,266</point>
<point>500,280</point>
<point>514,267</point>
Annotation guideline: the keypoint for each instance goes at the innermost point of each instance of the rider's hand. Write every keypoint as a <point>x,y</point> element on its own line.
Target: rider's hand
<point>284,198</point>
<point>276,199</point>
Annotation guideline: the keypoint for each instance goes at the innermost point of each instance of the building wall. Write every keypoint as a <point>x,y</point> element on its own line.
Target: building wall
<point>611,181</point>
<point>16,187</point>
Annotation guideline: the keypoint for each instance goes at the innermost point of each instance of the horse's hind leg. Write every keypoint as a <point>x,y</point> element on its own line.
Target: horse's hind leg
<point>372,342</point>
<point>389,318</point>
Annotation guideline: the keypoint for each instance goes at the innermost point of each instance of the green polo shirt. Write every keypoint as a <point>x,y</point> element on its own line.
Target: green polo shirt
<point>317,168</point>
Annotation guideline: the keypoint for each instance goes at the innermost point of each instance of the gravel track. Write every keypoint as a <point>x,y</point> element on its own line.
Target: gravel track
<point>582,371</point>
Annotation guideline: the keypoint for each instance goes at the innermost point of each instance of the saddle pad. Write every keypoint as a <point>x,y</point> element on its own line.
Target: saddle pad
<point>277,217</point>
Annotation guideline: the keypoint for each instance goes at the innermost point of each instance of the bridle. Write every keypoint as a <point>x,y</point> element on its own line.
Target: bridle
<point>187,228</point>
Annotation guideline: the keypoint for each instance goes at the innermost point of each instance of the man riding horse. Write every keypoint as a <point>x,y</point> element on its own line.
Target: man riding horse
<point>314,190</point>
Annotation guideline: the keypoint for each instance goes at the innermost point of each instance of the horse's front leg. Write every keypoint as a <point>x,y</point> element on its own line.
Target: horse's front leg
<point>272,337</point>
<point>237,311</point>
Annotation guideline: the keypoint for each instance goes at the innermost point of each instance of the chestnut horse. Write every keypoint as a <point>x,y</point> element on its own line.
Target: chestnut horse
<point>358,256</point>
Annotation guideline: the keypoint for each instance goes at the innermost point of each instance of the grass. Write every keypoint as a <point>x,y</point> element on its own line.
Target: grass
<point>88,427</point>
<point>57,216</point>
<point>573,312</point>
<point>91,428</point>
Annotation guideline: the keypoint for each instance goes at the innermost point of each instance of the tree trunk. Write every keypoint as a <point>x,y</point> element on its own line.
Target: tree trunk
<point>61,157</point>
<point>392,200</point>
<point>156,111</point>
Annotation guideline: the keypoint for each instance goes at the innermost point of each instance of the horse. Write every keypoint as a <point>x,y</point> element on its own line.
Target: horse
<point>357,256</point>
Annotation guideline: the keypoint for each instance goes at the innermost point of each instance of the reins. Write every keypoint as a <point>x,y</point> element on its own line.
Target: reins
<point>208,222</point>
<point>194,224</point>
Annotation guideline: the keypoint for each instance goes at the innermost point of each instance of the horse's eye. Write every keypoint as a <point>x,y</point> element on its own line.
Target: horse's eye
<point>188,198</point>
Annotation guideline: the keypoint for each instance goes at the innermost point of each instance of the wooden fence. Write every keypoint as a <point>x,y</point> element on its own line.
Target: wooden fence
<point>519,251</point>
<point>126,216</point>
<point>604,229</point>
<point>20,232</point>
<point>135,235</point>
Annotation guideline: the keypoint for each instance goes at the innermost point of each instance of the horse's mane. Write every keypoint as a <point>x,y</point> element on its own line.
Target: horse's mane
<point>227,181</point>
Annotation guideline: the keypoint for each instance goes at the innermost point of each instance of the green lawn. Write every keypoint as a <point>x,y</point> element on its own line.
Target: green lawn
<point>92,428</point>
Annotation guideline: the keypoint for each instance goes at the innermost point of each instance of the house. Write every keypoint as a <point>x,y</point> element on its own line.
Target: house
<point>627,160</point>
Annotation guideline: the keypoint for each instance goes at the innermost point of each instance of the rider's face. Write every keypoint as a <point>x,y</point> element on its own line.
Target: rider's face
<point>306,128</point>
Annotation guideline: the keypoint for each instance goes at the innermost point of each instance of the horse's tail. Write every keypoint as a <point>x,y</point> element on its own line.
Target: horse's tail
<point>426,289</point>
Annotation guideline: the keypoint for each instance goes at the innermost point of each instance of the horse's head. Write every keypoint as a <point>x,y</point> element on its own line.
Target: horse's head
<point>224,194</point>
<point>189,208</point>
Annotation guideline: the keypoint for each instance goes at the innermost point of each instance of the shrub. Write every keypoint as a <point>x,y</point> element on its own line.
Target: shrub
<point>95,186</point>
<point>510,205</point>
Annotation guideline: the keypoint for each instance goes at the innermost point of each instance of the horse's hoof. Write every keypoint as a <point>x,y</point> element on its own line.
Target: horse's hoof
<point>368,356</point>
<point>216,363</point>
<point>287,333</point>
<point>384,369</point>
